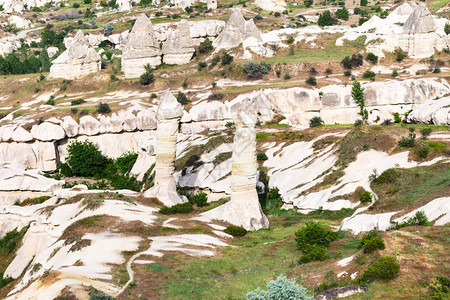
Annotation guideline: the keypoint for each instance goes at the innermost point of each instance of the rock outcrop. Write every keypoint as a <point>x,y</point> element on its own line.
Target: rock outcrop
<point>141,48</point>
<point>10,6</point>
<point>243,209</point>
<point>179,46</point>
<point>168,116</point>
<point>211,4</point>
<point>78,60</point>
<point>433,111</point>
<point>410,27</point>
<point>271,5</point>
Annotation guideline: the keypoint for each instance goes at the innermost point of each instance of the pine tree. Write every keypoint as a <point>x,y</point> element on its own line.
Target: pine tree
<point>45,61</point>
<point>358,97</point>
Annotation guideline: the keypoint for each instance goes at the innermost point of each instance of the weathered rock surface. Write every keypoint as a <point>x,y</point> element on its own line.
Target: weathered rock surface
<point>243,209</point>
<point>141,48</point>
<point>37,155</point>
<point>21,135</point>
<point>433,111</point>
<point>179,46</point>
<point>271,5</point>
<point>89,125</point>
<point>168,116</point>
<point>10,6</point>
<point>77,61</point>
<point>70,126</point>
<point>19,22</point>
<point>16,178</point>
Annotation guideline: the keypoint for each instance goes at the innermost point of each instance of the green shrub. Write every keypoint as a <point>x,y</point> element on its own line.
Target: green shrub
<point>388,176</point>
<point>85,159</point>
<point>314,233</point>
<point>227,58</point>
<point>125,162</point>
<point>65,170</point>
<point>342,13</point>
<point>423,151</point>
<point>147,78</point>
<point>201,65</point>
<point>261,156</point>
<point>419,219</point>
<point>273,193</point>
<point>315,122</point>
<point>182,98</point>
<point>129,182</point>
<point>311,81</point>
<point>407,142</point>
<point>400,54</point>
<point>235,230</point>
<point>369,74</point>
<point>182,208</point>
<point>205,46</point>
<point>372,58</point>
<point>281,289</point>
<point>314,253</point>
<point>371,241</point>
<point>384,268</point>
<point>11,240</point>
<point>440,287</point>
<point>352,62</point>
<point>287,76</point>
<point>255,70</point>
<point>103,108</point>
<point>199,199</point>
<point>394,73</point>
<point>365,197</point>
<point>77,101</point>
<point>101,297</point>
<point>290,40</point>
<point>426,131</point>
<point>397,118</point>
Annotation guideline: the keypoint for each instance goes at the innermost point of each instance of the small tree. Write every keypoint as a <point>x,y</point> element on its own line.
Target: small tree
<point>108,29</point>
<point>315,122</point>
<point>147,77</point>
<point>358,97</point>
<point>281,288</point>
<point>103,108</point>
<point>326,19</point>
<point>205,46</point>
<point>85,159</point>
<point>311,81</point>
<point>372,58</point>
<point>308,3</point>
<point>447,28</point>
<point>227,59</point>
<point>342,13</point>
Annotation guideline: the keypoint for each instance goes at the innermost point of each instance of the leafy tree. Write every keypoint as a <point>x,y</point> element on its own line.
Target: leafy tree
<point>281,288</point>
<point>358,97</point>
<point>44,60</point>
<point>342,13</point>
<point>85,159</point>
<point>326,19</point>
<point>314,233</point>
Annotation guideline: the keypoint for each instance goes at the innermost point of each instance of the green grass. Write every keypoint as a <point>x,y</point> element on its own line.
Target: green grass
<point>436,145</point>
<point>436,4</point>
<point>413,188</point>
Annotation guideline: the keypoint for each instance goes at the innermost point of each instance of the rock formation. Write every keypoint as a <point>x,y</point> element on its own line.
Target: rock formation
<point>236,31</point>
<point>179,46</point>
<point>211,4</point>
<point>410,27</point>
<point>435,112</point>
<point>271,5</point>
<point>78,60</point>
<point>168,117</point>
<point>243,209</point>
<point>141,48</point>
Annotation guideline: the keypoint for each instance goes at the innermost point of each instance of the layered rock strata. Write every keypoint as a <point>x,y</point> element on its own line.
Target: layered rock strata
<point>168,117</point>
<point>141,48</point>
<point>78,60</point>
<point>179,46</point>
<point>243,209</point>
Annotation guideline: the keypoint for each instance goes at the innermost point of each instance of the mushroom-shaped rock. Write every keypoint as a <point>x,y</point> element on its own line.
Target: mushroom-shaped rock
<point>78,60</point>
<point>21,135</point>
<point>141,48</point>
<point>243,209</point>
<point>89,125</point>
<point>48,132</point>
<point>70,126</point>
<point>179,46</point>
<point>146,120</point>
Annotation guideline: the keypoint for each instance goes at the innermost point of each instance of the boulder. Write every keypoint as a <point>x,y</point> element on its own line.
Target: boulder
<point>77,61</point>
<point>19,22</point>
<point>146,120</point>
<point>21,135</point>
<point>89,125</point>
<point>141,48</point>
<point>168,117</point>
<point>6,133</point>
<point>70,126</point>
<point>179,46</point>
<point>47,131</point>
<point>129,121</point>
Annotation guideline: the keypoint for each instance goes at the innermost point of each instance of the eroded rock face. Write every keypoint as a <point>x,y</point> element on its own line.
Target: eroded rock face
<point>433,111</point>
<point>48,132</point>
<point>77,61</point>
<point>271,5</point>
<point>10,6</point>
<point>16,178</point>
<point>243,209</point>
<point>168,116</point>
<point>141,48</point>
<point>179,46</point>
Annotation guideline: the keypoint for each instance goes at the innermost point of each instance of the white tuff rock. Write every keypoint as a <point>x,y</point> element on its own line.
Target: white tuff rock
<point>179,46</point>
